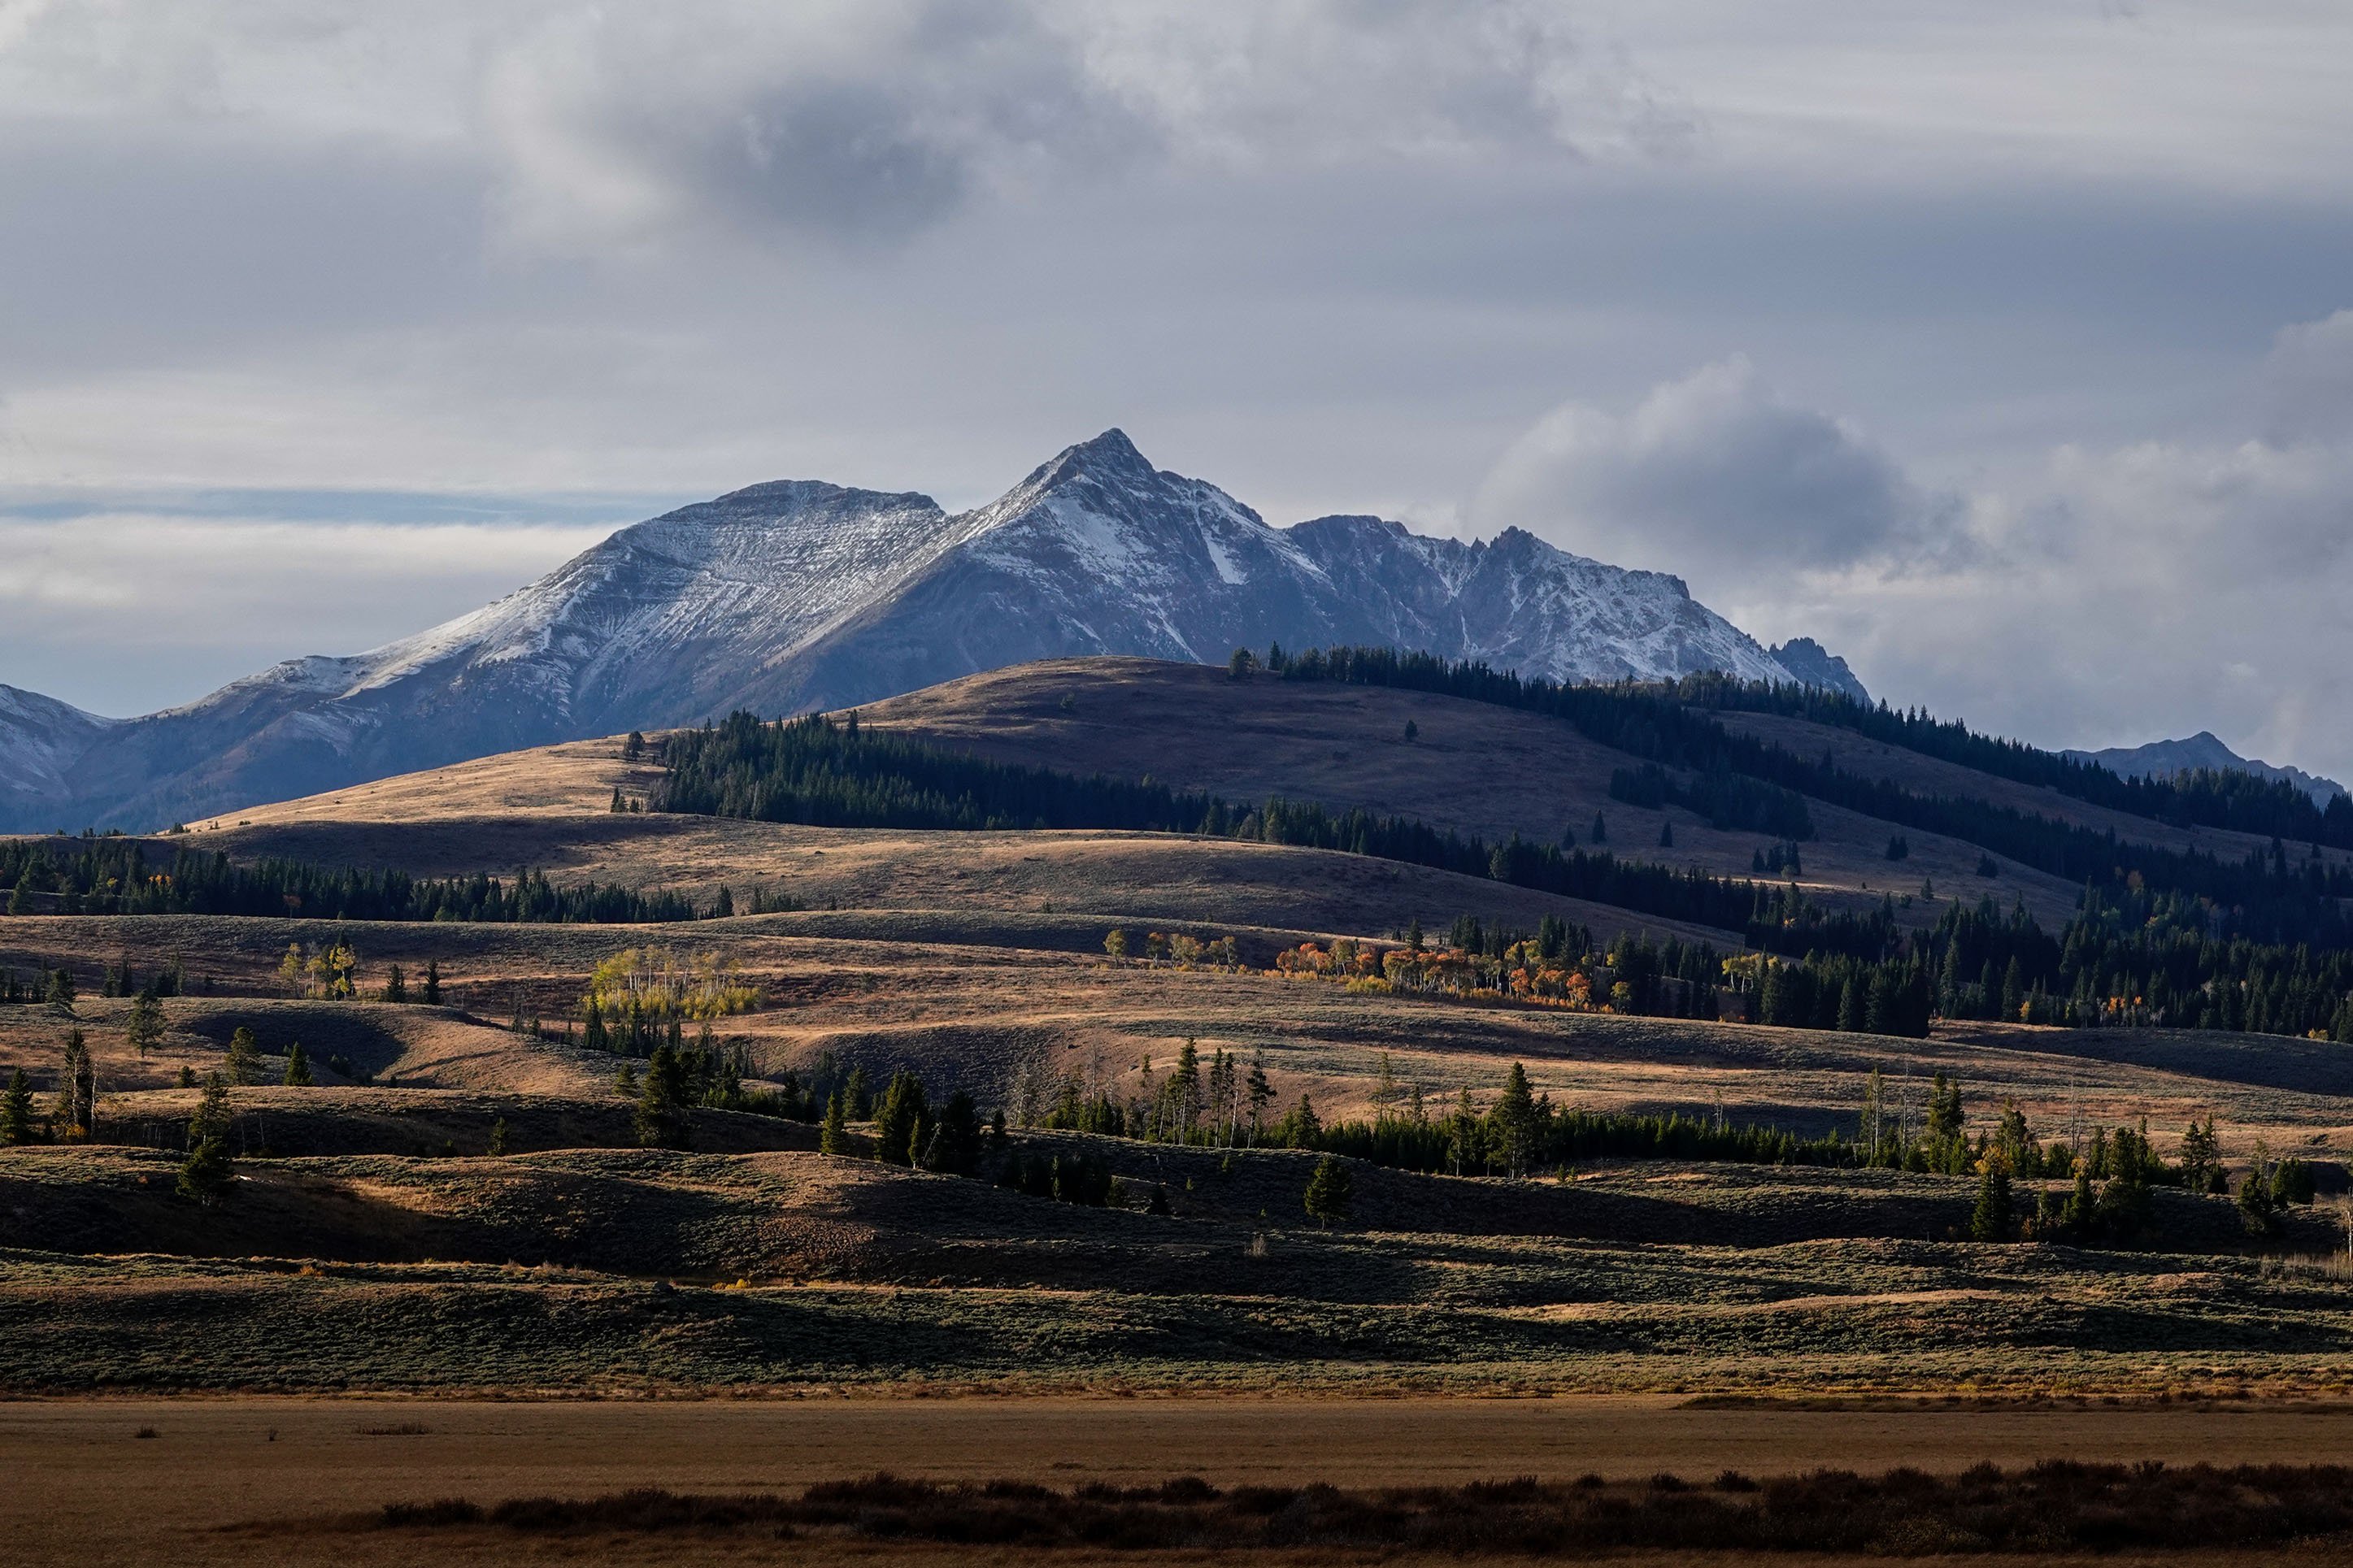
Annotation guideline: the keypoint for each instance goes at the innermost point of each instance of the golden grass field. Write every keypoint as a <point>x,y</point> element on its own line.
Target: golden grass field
<point>376,1266</point>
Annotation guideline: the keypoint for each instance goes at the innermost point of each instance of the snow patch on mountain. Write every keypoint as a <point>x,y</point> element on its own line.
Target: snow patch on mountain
<point>800,594</point>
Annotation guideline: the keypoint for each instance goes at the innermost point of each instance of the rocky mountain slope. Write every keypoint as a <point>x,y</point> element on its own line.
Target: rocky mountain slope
<point>2160,759</point>
<point>798,595</point>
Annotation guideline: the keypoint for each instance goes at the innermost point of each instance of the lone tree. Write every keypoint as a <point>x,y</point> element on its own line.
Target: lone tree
<point>661,1122</point>
<point>1329,1191</point>
<point>205,1175</point>
<point>433,982</point>
<point>298,1068</point>
<point>244,1063</point>
<point>144,1029</point>
<point>61,991</point>
<point>16,1111</point>
<point>78,1087</point>
<point>833,1138</point>
<point>1516,1122</point>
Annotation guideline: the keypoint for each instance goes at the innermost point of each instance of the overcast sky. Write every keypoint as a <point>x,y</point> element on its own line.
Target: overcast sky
<point>2003,347</point>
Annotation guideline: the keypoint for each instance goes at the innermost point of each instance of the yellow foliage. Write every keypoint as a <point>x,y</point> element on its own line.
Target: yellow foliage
<point>710,986</point>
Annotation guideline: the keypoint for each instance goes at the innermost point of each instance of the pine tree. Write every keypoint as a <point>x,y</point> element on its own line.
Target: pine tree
<point>901,1120</point>
<point>1666,835</point>
<point>953,1145</point>
<point>205,1175</point>
<point>1329,1191</point>
<point>498,1145</point>
<point>16,1111</point>
<point>2079,1216</point>
<point>244,1060</point>
<point>1600,833</point>
<point>433,982</point>
<point>1412,731</point>
<point>1514,1120</point>
<point>1991,1220</point>
<point>144,1029</point>
<point>298,1068</point>
<point>860,1100</point>
<point>395,984</point>
<point>1260,1092</point>
<point>61,995</point>
<point>661,1118</point>
<point>833,1138</point>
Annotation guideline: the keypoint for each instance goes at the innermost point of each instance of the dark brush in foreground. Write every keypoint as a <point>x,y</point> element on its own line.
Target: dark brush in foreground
<point>2056,1505</point>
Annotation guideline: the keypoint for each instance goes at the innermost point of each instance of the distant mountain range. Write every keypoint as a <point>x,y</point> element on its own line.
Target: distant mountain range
<point>800,594</point>
<point>2162,758</point>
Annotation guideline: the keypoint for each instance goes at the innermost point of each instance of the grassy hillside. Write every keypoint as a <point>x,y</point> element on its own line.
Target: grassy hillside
<point>464,1197</point>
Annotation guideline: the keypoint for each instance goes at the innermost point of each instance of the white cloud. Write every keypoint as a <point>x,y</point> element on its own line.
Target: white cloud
<point>1717,463</point>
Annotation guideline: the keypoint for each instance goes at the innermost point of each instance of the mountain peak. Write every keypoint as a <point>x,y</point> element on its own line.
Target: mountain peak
<point>1110,454</point>
<point>2204,749</point>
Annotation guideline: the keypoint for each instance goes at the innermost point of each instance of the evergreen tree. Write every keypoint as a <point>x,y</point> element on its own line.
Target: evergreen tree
<point>1600,833</point>
<point>1666,835</point>
<point>1412,731</point>
<point>16,1111</point>
<point>2258,1208</point>
<point>61,995</point>
<point>2081,1216</point>
<point>206,1175</point>
<point>1329,1191</point>
<point>833,1138</point>
<point>1516,1125</point>
<point>433,982</point>
<point>901,1120</point>
<point>144,1029</point>
<point>243,1063</point>
<point>953,1145</point>
<point>1260,1090</point>
<point>395,984</point>
<point>498,1145</point>
<point>1991,1220</point>
<point>861,1098</point>
<point>298,1068</point>
<point>661,1119</point>
<point>2201,1156</point>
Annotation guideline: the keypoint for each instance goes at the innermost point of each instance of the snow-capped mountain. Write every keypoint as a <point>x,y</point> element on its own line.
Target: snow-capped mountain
<point>800,594</point>
<point>2162,758</point>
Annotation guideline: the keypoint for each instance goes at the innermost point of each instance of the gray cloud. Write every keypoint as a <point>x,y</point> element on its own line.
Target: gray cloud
<point>2307,380</point>
<point>2012,266</point>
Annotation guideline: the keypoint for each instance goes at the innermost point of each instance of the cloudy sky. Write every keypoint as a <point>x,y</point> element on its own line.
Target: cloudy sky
<point>2004,347</point>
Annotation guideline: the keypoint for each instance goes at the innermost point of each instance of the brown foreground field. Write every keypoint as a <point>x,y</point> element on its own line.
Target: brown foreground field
<point>305,1481</point>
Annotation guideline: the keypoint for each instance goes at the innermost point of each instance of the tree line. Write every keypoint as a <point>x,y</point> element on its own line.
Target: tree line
<point>2267,896</point>
<point>2200,797</point>
<point>114,876</point>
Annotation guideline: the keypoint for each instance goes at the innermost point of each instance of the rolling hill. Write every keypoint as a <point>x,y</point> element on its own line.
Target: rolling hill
<point>798,594</point>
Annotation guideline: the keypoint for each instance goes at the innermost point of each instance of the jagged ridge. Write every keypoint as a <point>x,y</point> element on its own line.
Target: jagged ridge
<point>797,594</point>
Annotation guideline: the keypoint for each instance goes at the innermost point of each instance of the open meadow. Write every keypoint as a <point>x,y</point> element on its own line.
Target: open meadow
<point>489,1208</point>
